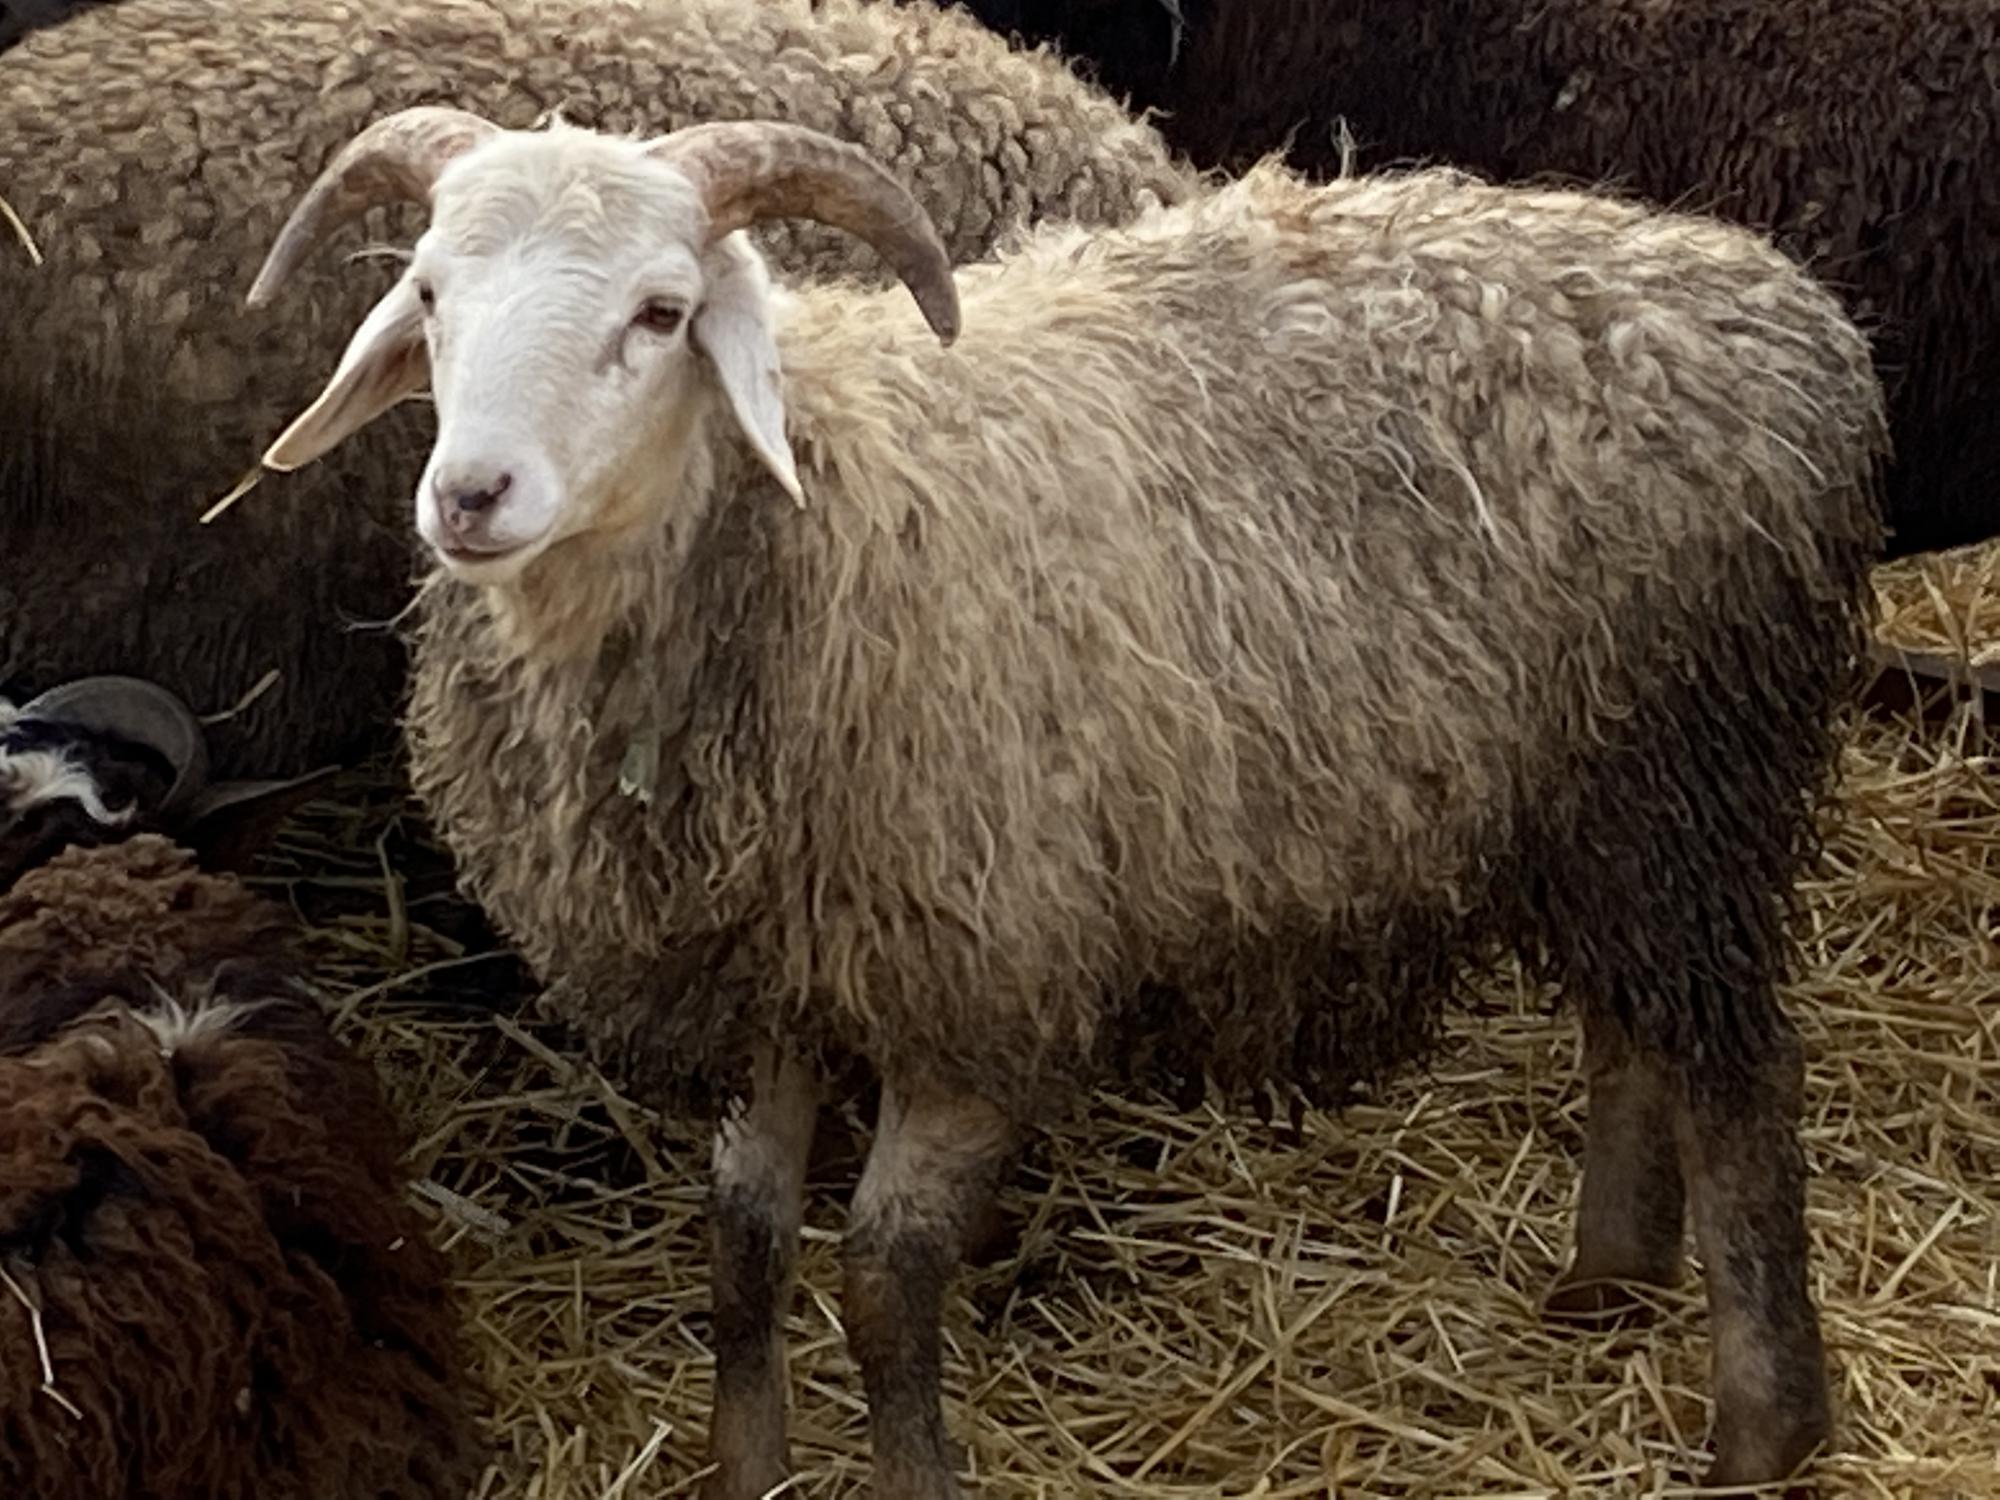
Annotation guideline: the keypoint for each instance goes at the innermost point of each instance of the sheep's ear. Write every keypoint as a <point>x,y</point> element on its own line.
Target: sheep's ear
<point>229,822</point>
<point>386,361</point>
<point>733,328</point>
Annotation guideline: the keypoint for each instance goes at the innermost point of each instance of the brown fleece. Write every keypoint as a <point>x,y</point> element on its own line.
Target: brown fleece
<point>206,1210</point>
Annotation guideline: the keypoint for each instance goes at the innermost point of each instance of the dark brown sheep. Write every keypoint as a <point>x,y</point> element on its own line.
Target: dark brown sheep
<point>19,17</point>
<point>107,461</point>
<point>214,1287</point>
<point>1863,133</point>
<point>138,145</point>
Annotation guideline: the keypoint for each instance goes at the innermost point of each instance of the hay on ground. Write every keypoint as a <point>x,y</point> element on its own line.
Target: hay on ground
<point>1191,1305</point>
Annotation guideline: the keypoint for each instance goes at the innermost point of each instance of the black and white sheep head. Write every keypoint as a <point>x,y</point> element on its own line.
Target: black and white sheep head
<point>99,759</point>
<point>576,306</point>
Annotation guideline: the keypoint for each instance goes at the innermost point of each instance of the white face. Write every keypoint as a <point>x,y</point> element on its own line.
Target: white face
<point>574,331</point>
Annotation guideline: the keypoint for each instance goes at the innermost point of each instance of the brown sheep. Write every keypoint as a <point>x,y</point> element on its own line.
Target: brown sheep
<point>138,143</point>
<point>214,1288</point>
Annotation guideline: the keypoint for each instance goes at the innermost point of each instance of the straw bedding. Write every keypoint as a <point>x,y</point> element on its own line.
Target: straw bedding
<point>1197,1304</point>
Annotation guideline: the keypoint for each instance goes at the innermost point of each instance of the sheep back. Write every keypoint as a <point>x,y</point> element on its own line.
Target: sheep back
<point>1861,133</point>
<point>1256,614</point>
<point>153,148</point>
<point>205,1209</point>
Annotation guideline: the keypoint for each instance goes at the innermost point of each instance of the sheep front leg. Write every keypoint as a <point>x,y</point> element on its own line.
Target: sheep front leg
<point>931,1173</point>
<point>1746,1180</point>
<point>756,1204</point>
<point>1631,1221</point>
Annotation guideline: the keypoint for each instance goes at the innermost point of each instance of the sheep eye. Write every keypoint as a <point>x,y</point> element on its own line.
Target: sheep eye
<point>659,317</point>
<point>426,296</point>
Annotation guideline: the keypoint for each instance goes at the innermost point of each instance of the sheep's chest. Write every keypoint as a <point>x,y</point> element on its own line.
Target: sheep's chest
<point>559,792</point>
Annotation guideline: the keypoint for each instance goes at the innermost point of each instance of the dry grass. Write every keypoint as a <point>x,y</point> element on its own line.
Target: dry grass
<point>20,232</point>
<point>1194,1306</point>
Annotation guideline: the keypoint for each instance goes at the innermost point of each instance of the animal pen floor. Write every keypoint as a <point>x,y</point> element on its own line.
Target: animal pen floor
<point>1192,1305</point>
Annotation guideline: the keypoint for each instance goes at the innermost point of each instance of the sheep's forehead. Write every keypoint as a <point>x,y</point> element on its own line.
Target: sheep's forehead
<point>594,196</point>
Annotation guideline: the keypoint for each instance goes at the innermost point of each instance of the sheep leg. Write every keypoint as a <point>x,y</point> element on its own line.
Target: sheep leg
<point>756,1204</point>
<point>1746,1179</point>
<point>931,1173</point>
<point>1631,1222</point>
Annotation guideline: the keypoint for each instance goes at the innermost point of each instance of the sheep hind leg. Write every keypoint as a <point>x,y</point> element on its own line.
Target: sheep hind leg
<point>1746,1181</point>
<point>1631,1222</point>
<point>756,1206</point>
<point>931,1174</point>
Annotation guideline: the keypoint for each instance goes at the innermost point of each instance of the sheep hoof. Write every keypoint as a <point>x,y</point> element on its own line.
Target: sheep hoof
<point>1603,1302</point>
<point>1722,1484</point>
<point>921,1481</point>
<point>937,1486</point>
<point>1729,1489</point>
<point>745,1484</point>
<point>1760,1457</point>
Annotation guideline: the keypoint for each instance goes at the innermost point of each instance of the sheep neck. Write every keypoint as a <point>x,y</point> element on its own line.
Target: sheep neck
<point>618,630</point>
<point>594,594</point>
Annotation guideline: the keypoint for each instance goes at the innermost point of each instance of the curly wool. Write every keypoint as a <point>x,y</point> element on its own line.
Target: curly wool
<point>1862,133</point>
<point>152,147</point>
<point>204,1204</point>
<point>1257,612</point>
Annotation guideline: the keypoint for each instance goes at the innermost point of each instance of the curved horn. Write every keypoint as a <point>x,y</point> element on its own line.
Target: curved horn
<point>747,170</point>
<point>395,160</point>
<point>139,711</point>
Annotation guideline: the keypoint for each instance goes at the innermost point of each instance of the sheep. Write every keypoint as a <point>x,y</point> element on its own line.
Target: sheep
<point>106,758</point>
<point>1256,614</point>
<point>214,1288</point>
<point>136,145</point>
<point>19,17</point>
<point>106,463</point>
<point>1860,132</point>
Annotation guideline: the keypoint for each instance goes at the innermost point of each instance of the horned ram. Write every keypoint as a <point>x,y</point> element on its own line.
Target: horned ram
<point>1253,614</point>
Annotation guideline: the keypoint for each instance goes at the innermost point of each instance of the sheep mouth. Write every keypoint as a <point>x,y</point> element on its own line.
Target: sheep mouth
<point>461,555</point>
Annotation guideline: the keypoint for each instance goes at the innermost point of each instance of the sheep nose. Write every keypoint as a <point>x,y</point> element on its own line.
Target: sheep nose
<point>464,500</point>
